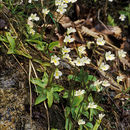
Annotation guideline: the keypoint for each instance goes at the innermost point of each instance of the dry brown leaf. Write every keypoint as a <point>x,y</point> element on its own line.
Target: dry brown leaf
<point>124,61</point>
<point>116,30</point>
<point>128,82</point>
<point>63,20</point>
<point>77,10</point>
<point>79,23</point>
<point>86,31</point>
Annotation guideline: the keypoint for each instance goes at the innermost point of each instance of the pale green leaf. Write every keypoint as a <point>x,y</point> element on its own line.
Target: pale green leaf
<point>11,42</point>
<point>57,88</point>
<point>89,124</point>
<point>39,82</point>
<point>50,97</point>
<point>77,100</point>
<point>40,99</point>
<point>53,44</point>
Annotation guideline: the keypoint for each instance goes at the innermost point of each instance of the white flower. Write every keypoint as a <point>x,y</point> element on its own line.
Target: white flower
<point>57,74</point>
<point>67,56</point>
<point>105,83</point>
<point>64,5</point>
<point>101,116</point>
<point>73,1</point>
<point>65,50</point>
<point>120,78</point>
<point>32,31</point>
<point>86,60</point>
<point>33,17</point>
<point>30,23</point>
<point>100,41</point>
<point>81,122</point>
<point>79,92</point>
<point>79,62</point>
<point>81,50</point>
<point>82,61</point>
<point>58,2</point>
<point>121,54</point>
<point>66,1</point>
<point>70,30</point>
<point>92,105</point>
<point>122,17</point>
<point>110,0</point>
<point>55,60</point>
<point>6,27</point>
<point>104,66</point>
<point>109,56</point>
<point>29,1</point>
<point>45,11</point>
<point>97,83</point>
<point>61,9</point>
<point>68,39</point>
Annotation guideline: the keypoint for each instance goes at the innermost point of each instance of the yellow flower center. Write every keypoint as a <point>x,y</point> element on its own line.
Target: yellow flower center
<point>57,74</point>
<point>55,61</point>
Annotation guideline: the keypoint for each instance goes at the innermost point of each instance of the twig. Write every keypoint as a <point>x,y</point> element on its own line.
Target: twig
<point>29,77</point>
<point>42,3</point>
<point>101,21</point>
<point>47,113</point>
<point>105,8</point>
<point>80,35</point>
